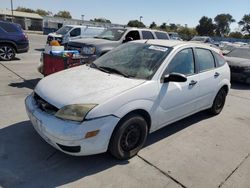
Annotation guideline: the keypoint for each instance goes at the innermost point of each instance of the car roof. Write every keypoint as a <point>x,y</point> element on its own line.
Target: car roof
<point>176,43</point>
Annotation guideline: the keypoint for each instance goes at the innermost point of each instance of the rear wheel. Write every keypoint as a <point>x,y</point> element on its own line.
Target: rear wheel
<point>129,137</point>
<point>219,102</point>
<point>7,52</point>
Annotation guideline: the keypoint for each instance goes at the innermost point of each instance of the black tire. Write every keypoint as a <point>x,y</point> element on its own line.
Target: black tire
<point>129,137</point>
<point>219,102</point>
<point>7,52</point>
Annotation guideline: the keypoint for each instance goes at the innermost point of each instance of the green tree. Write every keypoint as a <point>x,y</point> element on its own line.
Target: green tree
<point>153,25</point>
<point>237,35</point>
<point>163,26</point>
<point>42,12</point>
<point>23,9</point>
<point>245,23</point>
<point>63,14</point>
<point>223,22</point>
<point>187,33</point>
<point>173,27</point>
<point>102,20</point>
<point>205,27</point>
<point>135,23</point>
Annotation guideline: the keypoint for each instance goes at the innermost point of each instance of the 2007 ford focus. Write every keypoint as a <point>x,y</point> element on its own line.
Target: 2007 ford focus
<point>135,89</point>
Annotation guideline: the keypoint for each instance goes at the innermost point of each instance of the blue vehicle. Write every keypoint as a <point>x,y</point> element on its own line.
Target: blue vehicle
<point>12,40</point>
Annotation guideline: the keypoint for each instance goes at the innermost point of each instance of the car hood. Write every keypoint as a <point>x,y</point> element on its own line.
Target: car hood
<point>55,35</point>
<point>81,85</point>
<point>94,41</point>
<point>237,62</point>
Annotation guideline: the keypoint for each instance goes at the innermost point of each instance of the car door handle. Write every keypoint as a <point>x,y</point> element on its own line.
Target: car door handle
<point>216,74</point>
<point>192,83</point>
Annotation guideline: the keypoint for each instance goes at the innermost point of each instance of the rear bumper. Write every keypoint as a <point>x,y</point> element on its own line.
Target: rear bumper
<point>22,48</point>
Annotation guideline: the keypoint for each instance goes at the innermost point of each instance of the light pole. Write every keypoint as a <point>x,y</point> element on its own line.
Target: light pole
<point>82,18</point>
<point>140,18</point>
<point>12,10</point>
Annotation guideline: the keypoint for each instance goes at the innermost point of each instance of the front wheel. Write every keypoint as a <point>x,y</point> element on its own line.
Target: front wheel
<point>219,102</point>
<point>7,52</point>
<point>129,137</point>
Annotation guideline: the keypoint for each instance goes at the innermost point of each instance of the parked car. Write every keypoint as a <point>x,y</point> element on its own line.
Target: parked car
<point>135,89</point>
<point>202,39</point>
<point>238,60</point>
<point>174,36</point>
<point>71,32</point>
<point>12,40</point>
<point>91,49</point>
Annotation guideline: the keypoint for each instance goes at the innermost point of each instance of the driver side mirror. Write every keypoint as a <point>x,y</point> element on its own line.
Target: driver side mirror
<point>174,77</point>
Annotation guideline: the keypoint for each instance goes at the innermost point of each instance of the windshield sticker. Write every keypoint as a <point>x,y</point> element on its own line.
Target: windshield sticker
<point>158,48</point>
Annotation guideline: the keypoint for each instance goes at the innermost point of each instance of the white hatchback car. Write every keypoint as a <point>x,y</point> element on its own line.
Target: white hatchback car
<point>131,91</point>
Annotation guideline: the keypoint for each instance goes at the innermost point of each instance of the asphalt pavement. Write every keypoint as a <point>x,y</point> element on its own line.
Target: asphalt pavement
<point>200,151</point>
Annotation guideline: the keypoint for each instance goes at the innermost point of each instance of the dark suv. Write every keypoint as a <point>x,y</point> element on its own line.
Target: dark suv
<point>12,40</point>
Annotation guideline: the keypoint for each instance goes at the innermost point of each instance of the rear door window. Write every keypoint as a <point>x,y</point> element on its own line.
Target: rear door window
<point>161,35</point>
<point>205,59</point>
<point>147,35</point>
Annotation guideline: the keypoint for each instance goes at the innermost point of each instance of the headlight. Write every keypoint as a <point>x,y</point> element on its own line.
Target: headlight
<point>88,50</point>
<point>75,112</point>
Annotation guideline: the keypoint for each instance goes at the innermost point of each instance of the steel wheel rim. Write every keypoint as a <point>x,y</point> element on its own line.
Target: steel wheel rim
<point>130,138</point>
<point>6,53</point>
<point>219,101</point>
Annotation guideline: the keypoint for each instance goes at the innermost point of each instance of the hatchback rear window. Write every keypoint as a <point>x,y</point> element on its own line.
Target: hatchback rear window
<point>8,27</point>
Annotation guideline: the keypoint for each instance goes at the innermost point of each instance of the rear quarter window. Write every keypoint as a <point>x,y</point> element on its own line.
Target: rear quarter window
<point>219,60</point>
<point>10,28</point>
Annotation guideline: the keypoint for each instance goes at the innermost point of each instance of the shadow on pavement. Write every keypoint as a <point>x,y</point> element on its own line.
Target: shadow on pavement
<point>26,83</point>
<point>15,59</point>
<point>240,86</point>
<point>26,160</point>
<point>40,49</point>
<point>176,127</point>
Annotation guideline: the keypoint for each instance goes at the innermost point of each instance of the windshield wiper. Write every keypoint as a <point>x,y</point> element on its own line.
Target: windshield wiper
<point>115,71</point>
<point>93,65</point>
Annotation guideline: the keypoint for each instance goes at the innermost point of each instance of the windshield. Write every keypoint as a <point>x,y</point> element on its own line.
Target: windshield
<point>63,30</point>
<point>92,32</point>
<point>112,34</point>
<point>240,52</point>
<point>138,60</point>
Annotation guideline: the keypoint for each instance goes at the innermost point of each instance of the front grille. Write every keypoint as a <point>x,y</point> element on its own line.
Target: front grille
<point>237,69</point>
<point>70,47</point>
<point>44,105</point>
<point>71,149</point>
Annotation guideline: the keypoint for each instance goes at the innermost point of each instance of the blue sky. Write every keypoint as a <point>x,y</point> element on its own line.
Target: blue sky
<point>121,11</point>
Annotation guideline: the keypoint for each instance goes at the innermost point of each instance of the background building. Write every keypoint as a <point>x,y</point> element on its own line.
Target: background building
<point>28,21</point>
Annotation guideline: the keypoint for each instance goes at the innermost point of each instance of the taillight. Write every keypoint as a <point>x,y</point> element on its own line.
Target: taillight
<point>25,37</point>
